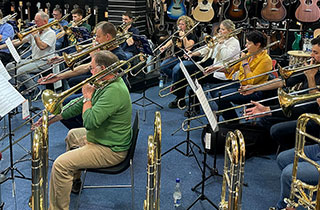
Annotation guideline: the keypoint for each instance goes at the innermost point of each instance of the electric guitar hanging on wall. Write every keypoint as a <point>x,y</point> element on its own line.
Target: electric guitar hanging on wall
<point>28,11</point>
<point>203,11</point>
<point>176,9</point>
<point>273,11</point>
<point>47,9</point>
<point>96,15</point>
<point>88,11</point>
<point>236,11</point>
<point>308,11</point>
<point>66,9</point>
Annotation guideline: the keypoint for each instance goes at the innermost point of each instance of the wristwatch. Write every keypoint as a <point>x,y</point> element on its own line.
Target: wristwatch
<point>86,100</point>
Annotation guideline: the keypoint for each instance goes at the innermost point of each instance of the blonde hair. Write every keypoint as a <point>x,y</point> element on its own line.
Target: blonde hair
<point>228,24</point>
<point>188,21</point>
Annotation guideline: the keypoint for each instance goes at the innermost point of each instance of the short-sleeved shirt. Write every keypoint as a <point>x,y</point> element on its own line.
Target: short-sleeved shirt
<point>48,36</point>
<point>190,36</point>
<point>62,23</point>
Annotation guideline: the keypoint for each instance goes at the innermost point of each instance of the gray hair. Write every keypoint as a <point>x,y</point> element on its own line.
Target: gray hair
<point>228,24</point>
<point>43,15</point>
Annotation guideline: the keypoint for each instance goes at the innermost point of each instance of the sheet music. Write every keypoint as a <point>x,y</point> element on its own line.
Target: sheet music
<point>4,72</point>
<point>10,98</point>
<point>196,87</point>
<point>13,50</point>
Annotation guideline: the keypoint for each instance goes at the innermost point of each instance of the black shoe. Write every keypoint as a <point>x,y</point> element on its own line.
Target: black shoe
<point>76,186</point>
<point>174,104</point>
<point>194,112</point>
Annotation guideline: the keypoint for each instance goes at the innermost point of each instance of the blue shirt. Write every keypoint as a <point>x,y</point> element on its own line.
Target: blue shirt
<point>6,30</point>
<point>59,41</point>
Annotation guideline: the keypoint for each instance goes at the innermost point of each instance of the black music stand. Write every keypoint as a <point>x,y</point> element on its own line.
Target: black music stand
<point>202,196</point>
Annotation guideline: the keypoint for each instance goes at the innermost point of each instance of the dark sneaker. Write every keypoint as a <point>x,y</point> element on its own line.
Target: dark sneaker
<point>76,186</point>
<point>174,104</point>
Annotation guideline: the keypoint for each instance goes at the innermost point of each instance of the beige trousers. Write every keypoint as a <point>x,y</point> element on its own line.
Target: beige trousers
<point>66,167</point>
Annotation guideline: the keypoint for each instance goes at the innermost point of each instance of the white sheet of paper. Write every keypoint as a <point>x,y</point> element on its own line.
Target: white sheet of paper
<point>13,50</point>
<point>10,98</point>
<point>208,141</point>
<point>25,109</point>
<point>4,72</point>
<point>196,87</point>
<point>57,84</point>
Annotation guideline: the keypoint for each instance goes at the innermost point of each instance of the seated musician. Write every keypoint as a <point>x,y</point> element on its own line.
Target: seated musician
<point>102,141</point>
<point>6,31</point>
<point>42,43</point>
<point>253,66</point>
<point>128,46</point>
<point>282,129</point>
<point>57,15</point>
<point>226,48</point>
<point>105,32</point>
<point>171,65</point>
<point>77,15</point>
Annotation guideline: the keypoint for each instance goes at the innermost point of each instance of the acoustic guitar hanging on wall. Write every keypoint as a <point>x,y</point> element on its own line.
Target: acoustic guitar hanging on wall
<point>236,11</point>
<point>308,11</point>
<point>273,11</point>
<point>203,11</point>
<point>176,9</point>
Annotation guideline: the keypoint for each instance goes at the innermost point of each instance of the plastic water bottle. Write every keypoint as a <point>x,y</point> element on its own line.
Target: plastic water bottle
<point>161,81</point>
<point>306,42</point>
<point>177,194</point>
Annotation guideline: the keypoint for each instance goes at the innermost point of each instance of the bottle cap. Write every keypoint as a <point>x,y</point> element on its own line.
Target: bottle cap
<point>178,180</point>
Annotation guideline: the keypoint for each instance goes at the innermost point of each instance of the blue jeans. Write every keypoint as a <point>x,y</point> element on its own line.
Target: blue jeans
<point>306,172</point>
<point>170,65</point>
<point>226,102</point>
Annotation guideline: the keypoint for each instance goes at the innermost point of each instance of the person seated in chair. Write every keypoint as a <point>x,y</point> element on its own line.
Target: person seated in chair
<point>282,128</point>
<point>103,140</point>
<point>6,31</point>
<point>171,65</point>
<point>42,43</point>
<point>128,46</point>
<point>57,15</point>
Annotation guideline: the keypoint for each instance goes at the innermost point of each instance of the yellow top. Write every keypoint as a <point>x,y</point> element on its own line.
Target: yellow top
<point>258,64</point>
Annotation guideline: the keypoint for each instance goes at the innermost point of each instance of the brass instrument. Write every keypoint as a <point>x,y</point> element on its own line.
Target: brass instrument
<point>152,201</point>
<point>22,35</point>
<point>123,26</point>
<point>286,73</point>
<point>233,173</point>
<point>212,41</point>
<point>286,101</point>
<point>70,59</point>
<point>53,101</point>
<point>299,69</point>
<point>7,18</point>
<point>304,193</point>
<point>39,198</point>
<point>67,30</point>
<point>225,65</point>
<point>178,40</point>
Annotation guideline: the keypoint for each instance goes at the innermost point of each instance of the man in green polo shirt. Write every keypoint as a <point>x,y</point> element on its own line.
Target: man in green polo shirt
<point>105,138</point>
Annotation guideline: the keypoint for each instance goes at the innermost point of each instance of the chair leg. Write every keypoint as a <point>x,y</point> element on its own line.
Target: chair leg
<point>81,187</point>
<point>132,183</point>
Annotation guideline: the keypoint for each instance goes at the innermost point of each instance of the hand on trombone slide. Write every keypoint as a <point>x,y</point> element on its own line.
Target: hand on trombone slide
<point>253,112</point>
<point>243,90</point>
<point>49,79</point>
<point>210,69</point>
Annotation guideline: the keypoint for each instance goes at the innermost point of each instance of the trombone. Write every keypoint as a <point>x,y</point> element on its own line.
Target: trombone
<point>301,193</point>
<point>123,26</point>
<point>70,59</point>
<point>233,172</point>
<point>299,69</point>
<point>7,18</point>
<point>22,35</point>
<point>286,101</point>
<point>53,101</point>
<point>226,65</point>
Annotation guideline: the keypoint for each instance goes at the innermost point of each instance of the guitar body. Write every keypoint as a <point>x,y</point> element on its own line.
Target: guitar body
<point>308,11</point>
<point>204,11</point>
<point>274,11</point>
<point>296,43</point>
<point>236,11</point>
<point>176,9</point>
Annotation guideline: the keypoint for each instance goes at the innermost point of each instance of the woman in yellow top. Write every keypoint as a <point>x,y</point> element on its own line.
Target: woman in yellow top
<point>253,66</point>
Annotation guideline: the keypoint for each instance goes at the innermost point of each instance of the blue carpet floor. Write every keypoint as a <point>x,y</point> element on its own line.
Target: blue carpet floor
<point>261,175</point>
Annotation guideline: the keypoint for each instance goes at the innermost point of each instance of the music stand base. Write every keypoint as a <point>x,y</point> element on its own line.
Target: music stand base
<point>144,98</point>
<point>203,197</point>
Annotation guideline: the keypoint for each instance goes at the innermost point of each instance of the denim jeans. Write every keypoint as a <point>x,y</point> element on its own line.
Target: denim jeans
<point>306,172</point>
<point>171,67</point>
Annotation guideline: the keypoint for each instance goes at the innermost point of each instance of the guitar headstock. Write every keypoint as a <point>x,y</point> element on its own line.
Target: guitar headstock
<point>76,6</point>
<point>20,4</point>
<point>47,9</point>
<point>13,7</point>
<point>106,15</point>
<point>28,4</point>
<point>66,8</point>
<point>38,5</point>
<point>57,6</point>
